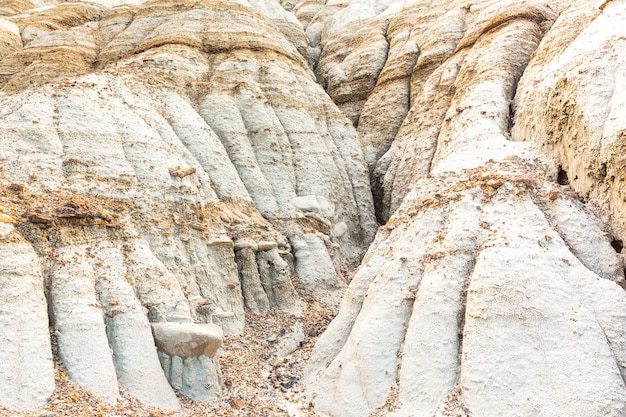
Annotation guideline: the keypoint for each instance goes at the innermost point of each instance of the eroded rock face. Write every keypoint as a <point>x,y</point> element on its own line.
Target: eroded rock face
<point>471,299</point>
<point>484,294</point>
<point>187,339</point>
<point>28,377</point>
<point>166,165</point>
<point>178,132</point>
<point>585,137</point>
<point>186,352</point>
<point>406,98</point>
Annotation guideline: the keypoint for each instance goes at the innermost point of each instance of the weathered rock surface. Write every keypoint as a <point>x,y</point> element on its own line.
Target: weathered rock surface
<point>187,339</point>
<point>26,372</point>
<point>492,290</point>
<point>140,145</point>
<point>186,351</point>
<point>470,298</point>
<point>166,165</point>
<point>582,56</point>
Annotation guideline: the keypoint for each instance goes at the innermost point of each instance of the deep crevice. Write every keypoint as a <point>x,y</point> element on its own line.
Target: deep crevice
<point>462,312</point>
<point>618,245</point>
<point>561,177</point>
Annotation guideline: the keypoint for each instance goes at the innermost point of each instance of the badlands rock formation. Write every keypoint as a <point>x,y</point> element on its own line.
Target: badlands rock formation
<point>492,290</point>
<point>180,167</point>
<point>166,165</point>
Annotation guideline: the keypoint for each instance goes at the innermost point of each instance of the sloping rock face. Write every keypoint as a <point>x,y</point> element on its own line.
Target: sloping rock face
<point>492,289</point>
<point>166,165</point>
<point>186,169</point>
<point>585,137</point>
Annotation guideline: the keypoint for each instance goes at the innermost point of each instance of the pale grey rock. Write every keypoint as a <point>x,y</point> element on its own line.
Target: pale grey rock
<point>315,268</point>
<point>406,97</point>
<point>211,273</point>
<point>448,271</point>
<point>205,146</point>
<point>289,342</point>
<point>483,281</point>
<point>275,276</point>
<point>202,379</point>
<point>253,292</point>
<point>197,139</point>
<point>139,114</point>
<point>197,377</point>
<point>79,324</point>
<point>130,338</point>
<point>6,227</point>
<point>340,229</point>
<point>586,237</point>
<point>26,371</point>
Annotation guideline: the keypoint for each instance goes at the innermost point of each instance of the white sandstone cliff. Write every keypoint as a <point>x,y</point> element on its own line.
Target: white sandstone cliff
<point>189,165</point>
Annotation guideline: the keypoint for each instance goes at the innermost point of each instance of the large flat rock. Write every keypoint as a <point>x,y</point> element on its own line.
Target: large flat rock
<point>187,339</point>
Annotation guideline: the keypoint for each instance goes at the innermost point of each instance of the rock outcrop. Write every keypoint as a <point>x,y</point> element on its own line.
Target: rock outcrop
<point>186,351</point>
<point>27,374</point>
<point>158,161</point>
<point>581,57</point>
<point>168,167</point>
<point>491,290</point>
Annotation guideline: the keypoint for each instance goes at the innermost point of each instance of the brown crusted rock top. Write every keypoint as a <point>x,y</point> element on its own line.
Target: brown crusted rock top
<point>187,339</point>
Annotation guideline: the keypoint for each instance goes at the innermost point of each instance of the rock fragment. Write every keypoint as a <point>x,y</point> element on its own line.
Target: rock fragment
<point>187,339</point>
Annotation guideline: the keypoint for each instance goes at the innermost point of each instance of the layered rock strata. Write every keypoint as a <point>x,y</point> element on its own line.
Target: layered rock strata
<point>168,164</point>
<point>477,297</point>
<point>165,175</point>
<point>492,289</point>
<point>569,102</point>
